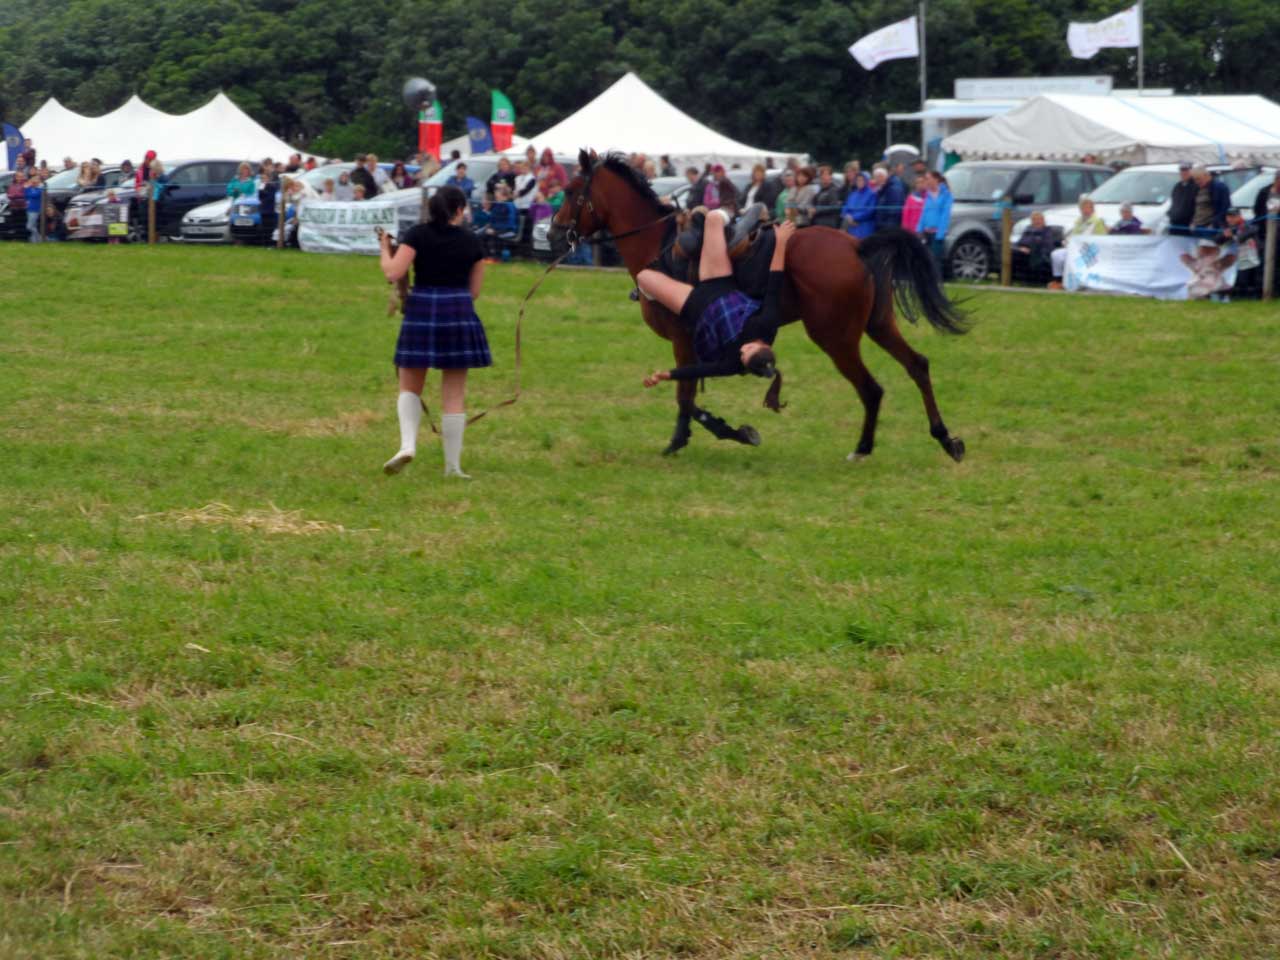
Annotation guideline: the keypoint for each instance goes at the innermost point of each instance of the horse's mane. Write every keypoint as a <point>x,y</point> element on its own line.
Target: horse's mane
<point>617,163</point>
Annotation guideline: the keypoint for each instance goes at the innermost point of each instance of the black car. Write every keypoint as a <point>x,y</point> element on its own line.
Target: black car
<point>188,184</point>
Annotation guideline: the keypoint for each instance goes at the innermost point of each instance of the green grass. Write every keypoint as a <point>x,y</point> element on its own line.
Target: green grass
<point>597,703</point>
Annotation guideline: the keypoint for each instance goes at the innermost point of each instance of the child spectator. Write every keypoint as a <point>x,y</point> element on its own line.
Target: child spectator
<point>34,196</point>
<point>504,224</point>
<point>327,192</point>
<point>345,190</point>
<point>357,192</point>
<point>115,216</point>
<point>1127,223</point>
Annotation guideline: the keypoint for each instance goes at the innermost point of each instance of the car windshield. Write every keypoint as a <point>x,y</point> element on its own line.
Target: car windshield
<point>1245,195</point>
<point>63,179</point>
<point>1137,186</point>
<point>980,184</point>
<point>330,171</point>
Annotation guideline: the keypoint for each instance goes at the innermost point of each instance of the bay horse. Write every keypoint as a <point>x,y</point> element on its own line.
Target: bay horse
<point>838,286</point>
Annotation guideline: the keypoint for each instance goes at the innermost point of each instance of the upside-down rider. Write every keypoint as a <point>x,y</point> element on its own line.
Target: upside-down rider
<point>732,333</point>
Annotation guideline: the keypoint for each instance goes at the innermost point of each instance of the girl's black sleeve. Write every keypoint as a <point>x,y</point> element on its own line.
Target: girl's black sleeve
<point>729,366</point>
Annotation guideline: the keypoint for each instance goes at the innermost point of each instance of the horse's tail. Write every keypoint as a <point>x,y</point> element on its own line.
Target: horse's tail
<point>903,271</point>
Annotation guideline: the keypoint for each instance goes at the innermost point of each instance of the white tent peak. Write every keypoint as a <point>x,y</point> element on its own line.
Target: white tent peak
<point>631,117</point>
<point>1130,129</point>
<point>219,129</point>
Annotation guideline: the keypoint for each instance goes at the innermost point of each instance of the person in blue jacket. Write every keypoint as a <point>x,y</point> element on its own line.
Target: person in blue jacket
<point>33,193</point>
<point>935,219</point>
<point>859,211</point>
<point>891,200</point>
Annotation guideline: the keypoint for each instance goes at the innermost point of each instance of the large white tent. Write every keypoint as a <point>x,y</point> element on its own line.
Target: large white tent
<point>217,129</point>
<point>1128,129</point>
<point>632,118</point>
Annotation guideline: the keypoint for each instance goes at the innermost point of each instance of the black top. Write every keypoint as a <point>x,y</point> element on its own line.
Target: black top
<point>762,325</point>
<point>363,178</point>
<point>1182,202</point>
<point>444,254</point>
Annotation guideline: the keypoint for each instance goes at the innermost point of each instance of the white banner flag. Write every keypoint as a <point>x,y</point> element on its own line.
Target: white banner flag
<point>351,226</point>
<point>1154,265</point>
<point>1122,30</point>
<point>894,42</point>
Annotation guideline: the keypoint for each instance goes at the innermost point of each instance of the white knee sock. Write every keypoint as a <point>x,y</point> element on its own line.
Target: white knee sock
<point>409,407</point>
<point>451,427</point>
<point>724,215</point>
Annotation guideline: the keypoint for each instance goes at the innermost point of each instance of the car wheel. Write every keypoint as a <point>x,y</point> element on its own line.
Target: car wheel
<point>970,258</point>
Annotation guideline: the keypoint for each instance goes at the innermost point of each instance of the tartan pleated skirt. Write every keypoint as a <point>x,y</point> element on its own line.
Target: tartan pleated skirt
<point>440,330</point>
<point>721,323</point>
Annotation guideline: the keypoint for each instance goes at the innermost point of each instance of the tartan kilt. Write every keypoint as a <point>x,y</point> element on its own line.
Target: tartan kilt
<point>441,330</point>
<point>721,323</point>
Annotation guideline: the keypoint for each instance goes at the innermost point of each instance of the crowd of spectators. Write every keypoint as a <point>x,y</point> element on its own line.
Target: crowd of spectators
<point>525,190</point>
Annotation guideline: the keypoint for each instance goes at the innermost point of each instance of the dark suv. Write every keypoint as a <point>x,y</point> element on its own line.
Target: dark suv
<point>980,188</point>
<point>188,184</point>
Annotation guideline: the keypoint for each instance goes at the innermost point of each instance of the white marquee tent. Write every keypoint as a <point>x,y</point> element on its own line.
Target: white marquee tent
<point>632,118</point>
<point>217,129</point>
<point>1217,129</point>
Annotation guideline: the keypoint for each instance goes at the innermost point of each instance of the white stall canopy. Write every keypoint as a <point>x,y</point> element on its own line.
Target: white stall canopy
<point>217,129</point>
<point>1128,129</point>
<point>630,117</point>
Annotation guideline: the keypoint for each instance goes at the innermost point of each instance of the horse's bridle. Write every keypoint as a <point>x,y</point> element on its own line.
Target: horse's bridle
<point>584,198</point>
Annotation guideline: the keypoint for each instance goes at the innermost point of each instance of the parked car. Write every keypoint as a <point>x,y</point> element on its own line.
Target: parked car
<point>189,184</point>
<point>210,223</point>
<point>64,186</point>
<point>1148,187</point>
<point>979,190</point>
<point>13,223</point>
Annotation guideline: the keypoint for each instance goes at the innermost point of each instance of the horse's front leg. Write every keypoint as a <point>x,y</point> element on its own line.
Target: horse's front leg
<point>688,410</point>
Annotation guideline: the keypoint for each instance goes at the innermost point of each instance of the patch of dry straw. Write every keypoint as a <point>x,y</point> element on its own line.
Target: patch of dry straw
<point>271,520</point>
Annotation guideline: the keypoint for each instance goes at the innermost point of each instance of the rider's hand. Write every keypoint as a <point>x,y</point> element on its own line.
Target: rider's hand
<point>655,378</point>
<point>785,231</point>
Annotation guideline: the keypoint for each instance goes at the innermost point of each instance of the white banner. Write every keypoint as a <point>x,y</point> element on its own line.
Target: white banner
<point>894,42</point>
<point>1156,265</point>
<point>1122,30</point>
<point>351,227</point>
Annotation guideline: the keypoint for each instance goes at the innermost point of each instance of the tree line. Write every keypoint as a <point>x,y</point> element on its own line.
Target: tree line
<point>326,74</point>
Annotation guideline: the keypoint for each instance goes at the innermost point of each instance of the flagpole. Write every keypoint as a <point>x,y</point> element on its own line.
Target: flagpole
<point>923,66</point>
<point>1141,31</point>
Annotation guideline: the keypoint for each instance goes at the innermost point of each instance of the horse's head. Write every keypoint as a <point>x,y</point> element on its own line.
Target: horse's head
<point>581,213</point>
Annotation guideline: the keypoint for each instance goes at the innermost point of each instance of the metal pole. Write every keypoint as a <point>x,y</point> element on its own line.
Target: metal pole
<point>44,209</point>
<point>1006,246</point>
<point>1141,31</point>
<point>924,68</point>
<point>1269,253</point>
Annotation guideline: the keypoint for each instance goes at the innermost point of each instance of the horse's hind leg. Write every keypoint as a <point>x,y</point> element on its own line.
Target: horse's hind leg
<point>888,336</point>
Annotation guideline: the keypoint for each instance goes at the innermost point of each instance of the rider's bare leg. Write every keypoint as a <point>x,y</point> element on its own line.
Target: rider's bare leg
<point>669,292</point>
<point>715,252</point>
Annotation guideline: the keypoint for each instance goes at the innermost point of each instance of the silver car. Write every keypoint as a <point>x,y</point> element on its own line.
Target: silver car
<point>210,223</point>
<point>979,189</point>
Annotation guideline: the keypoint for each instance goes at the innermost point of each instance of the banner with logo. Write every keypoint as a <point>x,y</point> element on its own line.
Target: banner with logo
<point>894,42</point>
<point>1121,30</point>
<point>1161,266</point>
<point>502,121</point>
<point>352,226</point>
<point>12,144</point>
<point>478,136</point>
<point>431,129</point>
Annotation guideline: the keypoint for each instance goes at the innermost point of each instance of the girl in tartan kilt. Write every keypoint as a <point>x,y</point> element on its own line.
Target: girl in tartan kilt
<point>440,327</point>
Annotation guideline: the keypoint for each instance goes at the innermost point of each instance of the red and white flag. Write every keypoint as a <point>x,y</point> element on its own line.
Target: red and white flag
<point>895,42</point>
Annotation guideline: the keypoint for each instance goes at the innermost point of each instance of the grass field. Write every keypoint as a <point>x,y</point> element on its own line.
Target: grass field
<point>259,700</point>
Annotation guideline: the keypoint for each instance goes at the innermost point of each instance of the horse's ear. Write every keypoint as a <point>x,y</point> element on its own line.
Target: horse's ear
<point>584,158</point>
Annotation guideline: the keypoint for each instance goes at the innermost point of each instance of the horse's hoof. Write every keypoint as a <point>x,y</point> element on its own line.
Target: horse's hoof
<point>857,457</point>
<point>673,449</point>
<point>955,447</point>
<point>749,435</point>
